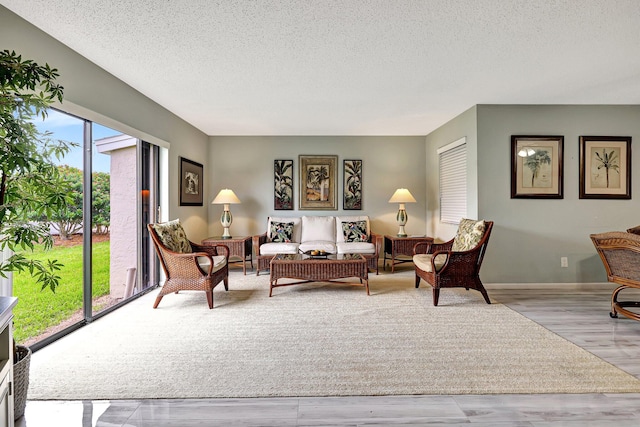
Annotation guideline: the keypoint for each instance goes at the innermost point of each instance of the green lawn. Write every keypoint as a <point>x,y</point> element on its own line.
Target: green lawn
<point>37,310</point>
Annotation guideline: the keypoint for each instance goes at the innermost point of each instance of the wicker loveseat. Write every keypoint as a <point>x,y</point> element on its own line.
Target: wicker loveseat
<point>345,234</point>
<point>620,254</point>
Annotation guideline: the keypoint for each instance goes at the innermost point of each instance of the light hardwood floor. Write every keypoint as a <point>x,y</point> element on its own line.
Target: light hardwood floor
<point>579,313</point>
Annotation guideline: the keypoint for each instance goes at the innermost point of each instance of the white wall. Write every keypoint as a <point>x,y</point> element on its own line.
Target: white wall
<point>245,164</point>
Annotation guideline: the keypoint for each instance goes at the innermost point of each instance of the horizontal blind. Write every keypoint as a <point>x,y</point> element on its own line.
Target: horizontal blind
<point>453,183</point>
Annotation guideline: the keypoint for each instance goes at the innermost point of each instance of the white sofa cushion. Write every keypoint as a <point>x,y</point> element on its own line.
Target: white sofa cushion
<point>356,248</point>
<point>325,245</point>
<point>278,248</point>
<point>296,226</point>
<point>318,228</point>
<point>423,262</point>
<point>350,218</point>
<point>219,261</point>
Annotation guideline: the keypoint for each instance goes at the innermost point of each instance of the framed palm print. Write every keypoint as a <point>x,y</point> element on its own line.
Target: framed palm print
<point>318,178</point>
<point>283,185</point>
<point>605,167</point>
<point>537,166</point>
<point>352,185</point>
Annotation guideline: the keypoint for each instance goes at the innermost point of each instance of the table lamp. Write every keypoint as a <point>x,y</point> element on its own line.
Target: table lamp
<point>226,197</point>
<point>402,196</point>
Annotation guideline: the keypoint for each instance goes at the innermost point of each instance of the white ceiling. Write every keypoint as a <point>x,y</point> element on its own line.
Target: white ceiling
<point>351,67</point>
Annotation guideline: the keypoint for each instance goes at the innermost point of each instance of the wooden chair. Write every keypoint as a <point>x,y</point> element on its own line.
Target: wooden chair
<point>620,254</point>
<point>187,265</point>
<point>440,265</point>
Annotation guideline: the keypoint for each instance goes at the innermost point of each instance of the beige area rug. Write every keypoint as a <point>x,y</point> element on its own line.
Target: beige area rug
<point>316,340</point>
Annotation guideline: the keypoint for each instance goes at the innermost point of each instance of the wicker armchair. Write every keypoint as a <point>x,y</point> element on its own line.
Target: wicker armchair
<point>620,254</point>
<point>443,267</point>
<point>187,265</point>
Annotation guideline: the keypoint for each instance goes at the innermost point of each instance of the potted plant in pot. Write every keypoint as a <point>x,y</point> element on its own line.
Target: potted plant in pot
<point>29,179</point>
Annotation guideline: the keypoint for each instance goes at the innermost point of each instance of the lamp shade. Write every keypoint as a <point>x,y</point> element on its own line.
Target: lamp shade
<point>402,195</point>
<point>226,197</point>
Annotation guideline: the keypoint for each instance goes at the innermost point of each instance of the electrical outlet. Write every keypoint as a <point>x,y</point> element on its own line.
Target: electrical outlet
<point>564,262</point>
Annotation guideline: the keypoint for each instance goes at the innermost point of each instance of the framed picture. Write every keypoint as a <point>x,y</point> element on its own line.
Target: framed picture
<point>536,166</point>
<point>352,185</point>
<point>283,185</point>
<point>191,179</point>
<point>318,178</point>
<point>605,167</point>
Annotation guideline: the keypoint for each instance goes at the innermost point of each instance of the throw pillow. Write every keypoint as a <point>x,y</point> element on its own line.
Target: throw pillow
<point>355,231</point>
<point>469,234</point>
<point>281,232</point>
<point>173,237</point>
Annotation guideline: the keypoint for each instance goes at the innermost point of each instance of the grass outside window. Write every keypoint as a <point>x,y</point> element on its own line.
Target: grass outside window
<point>38,310</point>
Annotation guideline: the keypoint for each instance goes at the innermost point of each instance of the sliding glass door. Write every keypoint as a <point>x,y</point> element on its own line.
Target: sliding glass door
<point>100,239</point>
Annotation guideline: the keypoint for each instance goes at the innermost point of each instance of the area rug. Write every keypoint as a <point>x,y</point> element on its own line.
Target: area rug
<point>316,340</point>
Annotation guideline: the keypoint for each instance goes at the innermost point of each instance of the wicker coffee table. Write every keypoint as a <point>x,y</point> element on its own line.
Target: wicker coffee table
<point>318,269</point>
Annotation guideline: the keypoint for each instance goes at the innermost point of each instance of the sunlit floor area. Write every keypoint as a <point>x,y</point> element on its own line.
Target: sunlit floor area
<point>579,313</point>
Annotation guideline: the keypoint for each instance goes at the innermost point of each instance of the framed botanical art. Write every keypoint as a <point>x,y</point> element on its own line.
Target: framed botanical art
<point>605,167</point>
<point>283,184</point>
<point>191,179</point>
<point>352,185</point>
<point>537,166</point>
<point>318,178</point>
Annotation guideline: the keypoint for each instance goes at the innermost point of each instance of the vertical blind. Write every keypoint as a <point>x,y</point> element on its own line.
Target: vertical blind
<point>453,181</point>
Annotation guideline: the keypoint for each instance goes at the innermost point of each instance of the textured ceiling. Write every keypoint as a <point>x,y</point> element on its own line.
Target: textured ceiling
<point>351,67</point>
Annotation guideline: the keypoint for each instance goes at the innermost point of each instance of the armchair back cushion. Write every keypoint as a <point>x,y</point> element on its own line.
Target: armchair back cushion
<point>468,236</point>
<point>343,235</point>
<point>172,236</point>
<point>295,234</point>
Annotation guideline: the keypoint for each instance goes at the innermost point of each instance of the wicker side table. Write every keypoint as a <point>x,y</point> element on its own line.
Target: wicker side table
<point>307,269</point>
<point>394,246</point>
<point>239,247</point>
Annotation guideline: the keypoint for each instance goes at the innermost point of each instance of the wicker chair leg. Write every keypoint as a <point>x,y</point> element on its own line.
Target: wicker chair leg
<point>226,283</point>
<point>209,298</point>
<point>436,295</point>
<point>158,299</point>
<point>417,281</point>
<point>485,295</point>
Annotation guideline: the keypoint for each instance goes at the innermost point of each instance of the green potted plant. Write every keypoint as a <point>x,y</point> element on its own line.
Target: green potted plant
<point>29,180</point>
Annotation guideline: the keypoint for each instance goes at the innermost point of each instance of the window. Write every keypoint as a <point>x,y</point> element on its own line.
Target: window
<point>452,159</point>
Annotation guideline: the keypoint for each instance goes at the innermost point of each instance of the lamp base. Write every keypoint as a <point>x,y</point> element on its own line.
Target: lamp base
<point>226,219</point>
<point>402,218</point>
<point>225,234</point>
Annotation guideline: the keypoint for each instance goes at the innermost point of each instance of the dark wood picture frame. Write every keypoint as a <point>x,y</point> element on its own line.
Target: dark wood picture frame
<point>352,185</point>
<point>537,166</point>
<point>318,182</point>
<point>605,167</point>
<point>283,185</point>
<point>191,180</point>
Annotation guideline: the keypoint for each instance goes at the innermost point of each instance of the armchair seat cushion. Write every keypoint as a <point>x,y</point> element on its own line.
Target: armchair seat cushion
<point>423,262</point>
<point>219,261</point>
<point>279,248</point>
<point>325,245</point>
<point>356,248</point>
